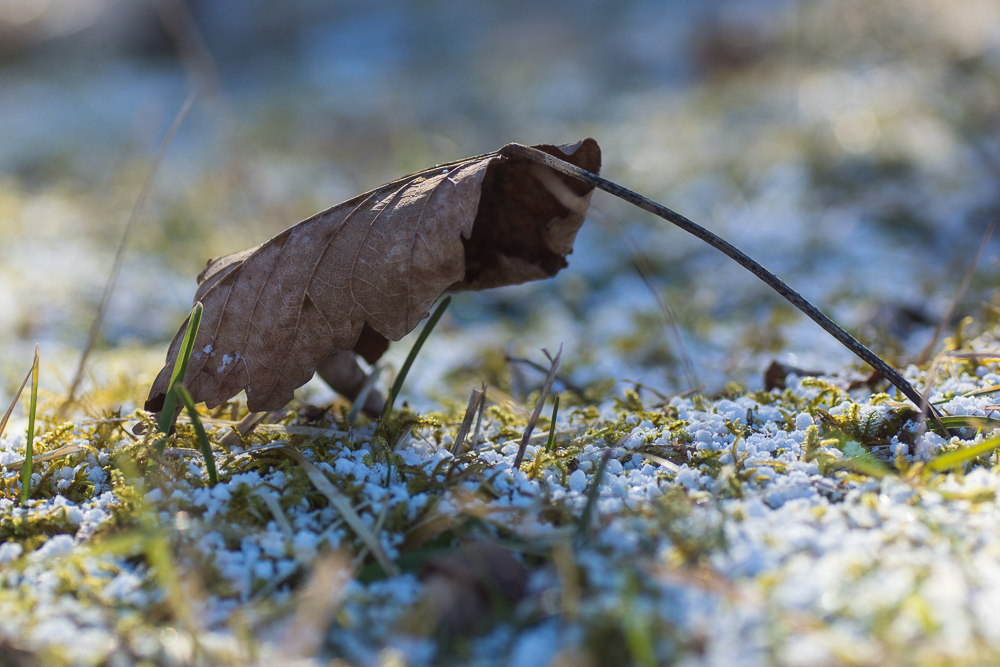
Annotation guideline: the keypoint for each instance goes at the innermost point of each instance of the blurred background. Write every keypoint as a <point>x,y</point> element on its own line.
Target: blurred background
<point>851,146</point>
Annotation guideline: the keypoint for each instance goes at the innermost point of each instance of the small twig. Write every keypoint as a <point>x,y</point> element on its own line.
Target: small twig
<point>691,392</point>
<point>737,255</point>
<point>638,385</point>
<point>984,390</point>
<point>644,268</point>
<point>279,514</point>
<point>925,354</point>
<point>641,265</point>
<point>242,429</point>
<point>546,388</point>
<point>931,377</point>
<point>981,356</point>
<point>407,432</point>
<point>539,438</point>
<point>573,387</point>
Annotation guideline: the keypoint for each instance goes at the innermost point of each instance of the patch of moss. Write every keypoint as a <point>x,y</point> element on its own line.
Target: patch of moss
<point>32,528</point>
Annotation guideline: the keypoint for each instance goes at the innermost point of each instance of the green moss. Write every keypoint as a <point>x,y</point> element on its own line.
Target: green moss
<point>511,424</point>
<point>33,528</point>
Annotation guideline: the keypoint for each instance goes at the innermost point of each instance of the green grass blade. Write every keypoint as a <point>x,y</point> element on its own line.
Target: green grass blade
<point>958,457</point>
<point>962,421</point>
<point>397,386</point>
<point>199,430</point>
<point>636,626</point>
<point>550,446</point>
<point>29,445</point>
<point>180,368</point>
<point>869,465</point>
<point>952,422</point>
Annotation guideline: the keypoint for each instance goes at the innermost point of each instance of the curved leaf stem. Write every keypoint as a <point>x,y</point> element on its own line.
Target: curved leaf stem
<point>741,258</point>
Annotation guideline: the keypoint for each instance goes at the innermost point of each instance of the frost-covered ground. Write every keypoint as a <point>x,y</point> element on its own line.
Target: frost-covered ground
<point>795,527</point>
<point>850,148</point>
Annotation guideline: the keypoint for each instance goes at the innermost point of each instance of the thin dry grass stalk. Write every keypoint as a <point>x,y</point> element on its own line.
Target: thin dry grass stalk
<point>341,503</point>
<point>17,396</point>
<point>925,354</point>
<point>546,388</point>
<point>67,450</point>
<point>475,406</point>
<point>569,384</point>
<point>116,266</point>
<point>242,429</point>
<point>644,268</point>
<point>479,418</point>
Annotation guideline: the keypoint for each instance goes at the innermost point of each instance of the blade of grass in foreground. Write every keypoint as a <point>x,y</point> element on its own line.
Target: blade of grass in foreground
<point>199,430</point>
<point>150,539</point>
<point>397,386</point>
<point>866,464</point>
<point>959,457</point>
<point>29,445</point>
<point>970,421</point>
<point>167,415</point>
<point>636,626</point>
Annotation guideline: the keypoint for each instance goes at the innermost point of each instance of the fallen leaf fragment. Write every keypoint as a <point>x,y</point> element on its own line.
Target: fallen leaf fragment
<point>350,279</point>
<point>464,591</point>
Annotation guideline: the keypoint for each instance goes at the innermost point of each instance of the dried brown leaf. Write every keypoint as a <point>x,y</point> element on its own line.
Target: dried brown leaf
<point>365,272</point>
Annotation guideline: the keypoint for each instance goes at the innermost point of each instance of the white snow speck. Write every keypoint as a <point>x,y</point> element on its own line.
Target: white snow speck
<point>58,545</point>
<point>577,481</point>
<point>10,551</point>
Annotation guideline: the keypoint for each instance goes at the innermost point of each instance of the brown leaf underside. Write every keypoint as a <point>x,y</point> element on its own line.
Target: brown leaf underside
<point>367,271</point>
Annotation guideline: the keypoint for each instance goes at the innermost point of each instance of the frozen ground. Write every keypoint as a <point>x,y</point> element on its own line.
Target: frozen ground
<point>852,149</point>
<point>708,542</point>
